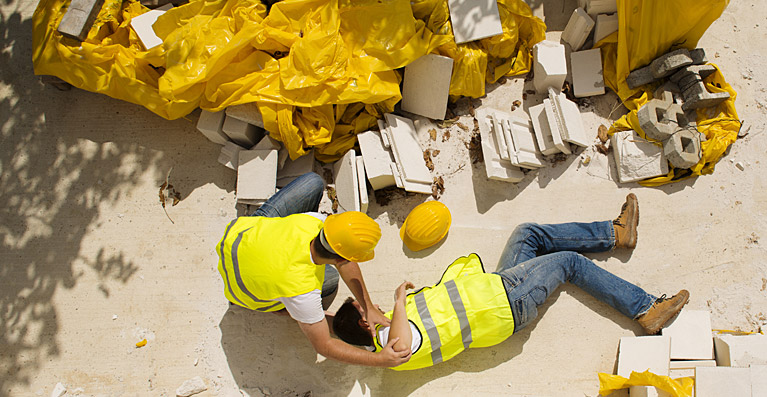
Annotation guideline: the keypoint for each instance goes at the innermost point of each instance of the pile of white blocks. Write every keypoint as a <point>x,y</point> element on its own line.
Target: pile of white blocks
<point>351,188</point>
<point>557,123</point>
<point>426,86</point>
<point>508,144</point>
<point>725,365</point>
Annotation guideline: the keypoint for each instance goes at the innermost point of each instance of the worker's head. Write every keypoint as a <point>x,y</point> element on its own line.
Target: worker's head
<point>349,235</point>
<point>350,326</point>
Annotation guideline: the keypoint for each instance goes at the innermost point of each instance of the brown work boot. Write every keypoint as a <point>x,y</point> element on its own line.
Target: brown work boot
<point>663,310</point>
<point>625,224</point>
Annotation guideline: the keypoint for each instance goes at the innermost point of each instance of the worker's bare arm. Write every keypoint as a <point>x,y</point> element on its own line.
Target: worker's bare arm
<point>352,275</point>
<point>400,328</point>
<point>319,336</point>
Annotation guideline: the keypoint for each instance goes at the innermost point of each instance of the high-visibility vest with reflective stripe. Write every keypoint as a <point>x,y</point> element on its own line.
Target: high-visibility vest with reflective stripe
<point>467,308</point>
<point>262,259</point>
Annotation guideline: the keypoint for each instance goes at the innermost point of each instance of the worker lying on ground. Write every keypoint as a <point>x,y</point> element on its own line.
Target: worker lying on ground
<point>276,259</point>
<point>471,308</point>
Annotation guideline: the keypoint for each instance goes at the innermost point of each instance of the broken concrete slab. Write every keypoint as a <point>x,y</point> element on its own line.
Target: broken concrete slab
<point>78,20</point>
<point>659,120</point>
<point>578,29</point>
<point>635,158</point>
<point>345,178</point>
<point>550,66</point>
<point>682,148</point>
<point>552,118</point>
<point>643,353</point>
<point>690,334</point>
<point>191,387</point>
<point>256,174</point>
<point>722,381</point>
<point>668,63</point>
<point>542,129</point>
<point>495,167</point>
<point>242,133</point>
<point>230,155</point>
<point>567,120</point>
<point>740,350</point>
<point>142,25</point>
<point>524,151</point>
<point>247,112</point>
<point>588,79</point>
<point>698,56</point>
<point>406,149</point>
<point>605,25</point>
<point>362,184</point>
<point>377,159</point>
<point>696,95</point>
<point>426,85</point>
<point>474,20</point>
<point>210,124</point>
<point>297,167</point>
<point>640,77</point>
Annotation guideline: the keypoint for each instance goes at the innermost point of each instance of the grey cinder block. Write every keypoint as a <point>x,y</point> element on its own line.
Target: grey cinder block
<point>682,149</point>
<point>666,64</point>
<point>78,20</point>
<point>659,119</point>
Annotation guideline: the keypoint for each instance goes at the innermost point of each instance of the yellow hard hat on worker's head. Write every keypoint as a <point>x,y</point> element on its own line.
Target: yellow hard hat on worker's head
<point>352,235</point>
<point>426,225</point>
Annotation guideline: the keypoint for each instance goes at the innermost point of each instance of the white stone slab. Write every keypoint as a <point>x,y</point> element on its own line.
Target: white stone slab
<point>601,6</point>
<point>642,353</point>
<point>474,19</point>
<point>524,152</point>
<point>550,66</point>
<point>256,174</point>
<point>142,25</point>
<point>588,79</point>
<point>578,29</point>
<point>501,139</point>
<point>426,86</point>
<point>377,159</point>
<point>606,24</point>
<point>740,350</point>
<point>722,381</point>
<point>247,112</point>
<point>690,334</point>
<point>555,126</point>
<point>240,132</point>
<point>210,124</point>
<point>407,151</point>
<point>568,120</point>
<point>647,391</point>
<point>686,368</point>
<point>347,192</point>
<point>637,159</point>
<point>542,129</point>
<point>758,380</point>
<point>495,167</point>
<point>230,155</point>
<point>362,184</point>
<point>297,167</point>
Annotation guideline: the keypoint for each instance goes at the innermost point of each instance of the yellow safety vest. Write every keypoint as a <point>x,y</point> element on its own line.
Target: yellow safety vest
<point>262,259</point>
<point>467,308</point>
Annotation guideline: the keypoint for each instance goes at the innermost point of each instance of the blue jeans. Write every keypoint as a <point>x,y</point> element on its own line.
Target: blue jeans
<point>538,258</point>
<point>302,195</point>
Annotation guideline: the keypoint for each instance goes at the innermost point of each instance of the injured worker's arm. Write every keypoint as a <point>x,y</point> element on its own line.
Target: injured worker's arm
<point>400,328</point>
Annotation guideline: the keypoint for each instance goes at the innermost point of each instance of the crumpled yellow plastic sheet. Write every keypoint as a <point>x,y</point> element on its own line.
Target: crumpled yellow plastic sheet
<point>680,387</point>
<point>648,29</point>
<point>320,71</point>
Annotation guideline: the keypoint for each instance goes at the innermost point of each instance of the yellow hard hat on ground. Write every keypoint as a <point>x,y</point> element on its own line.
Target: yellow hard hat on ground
<point>426,225</point>
<point>352,235</point>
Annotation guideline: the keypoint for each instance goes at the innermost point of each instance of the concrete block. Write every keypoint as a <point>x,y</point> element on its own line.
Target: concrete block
<point>698,56</point>
<point>601,6</point>
<point>690,334</point>
<point>230,155</point>
<point>78,20</point>
<point>377,160</point>
<point>668,63</point>
<point>256,174</point>
<point>637,159</point>
<point>426,85</point>
<point>555,127</point>
<point>502,140</point>
<point>667,93</point>
<point>242,133</point>
<point>647,391</point>
<point>690,82</point>
<point>644,353</point>
<point>473,20</point>
<point>542,129</point>
<point>495,167</point>
<point>686,368</point>
<point>247,112</point>
<point>640,77</point>
<point>578,29</point>
<point>740,350</point>
<point>524,152</point>
<point>142,25</point>
<point>550,66</point>
<point>758,380</point>
<point>605,25</point>
<point>267,143</point>
<point>295,168</point>
<point>722,381</point>
<point>407,151</point>
<point>659,120</point>
<point>210,124</point>
<point>588,79</point>
<point>345,177</point>
<point>566,119</point>
<point>682,149</point>
<point>362,184</point>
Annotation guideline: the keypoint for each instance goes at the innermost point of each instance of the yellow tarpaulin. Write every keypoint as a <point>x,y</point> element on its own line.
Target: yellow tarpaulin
<point>319,70</point>
<point>648,29</point>
<point>680,387</point>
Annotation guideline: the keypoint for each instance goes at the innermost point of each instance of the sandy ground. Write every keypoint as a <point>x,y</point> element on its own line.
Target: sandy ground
<point>91,264</point>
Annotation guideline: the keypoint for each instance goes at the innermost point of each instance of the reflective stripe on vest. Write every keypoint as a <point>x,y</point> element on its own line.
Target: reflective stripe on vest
<point>460,311</point>
<point>431,329</point>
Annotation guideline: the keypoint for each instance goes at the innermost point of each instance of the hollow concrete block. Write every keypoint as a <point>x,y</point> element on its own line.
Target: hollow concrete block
<point>659,120</point>
<point>550,66</point>
<point>578,29</point>
<point>682,148</point>
<point>426,85</point>
<point>696,96</point>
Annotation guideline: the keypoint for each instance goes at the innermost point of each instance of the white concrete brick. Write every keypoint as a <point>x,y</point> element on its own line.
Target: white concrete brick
<point>740,350</point>
<point>362,184</point>
<point>240,132</point>
<point>230,155</point>
<point>426,86</point>
<point>247,112</point>
<point>690,334</point>
<point>406,149</point>
<point>647,391</point>
<point>210,124</point>
<point>550,66</point>
<point>256,174</point>
<point>347,191</point>
<point>758,380</point>
<point>686,368</point>
<point>555,126</point>
<point>605,25</point>
<point>588,79</point>
<point>722,381</point>
<point>568,120</point>
<point>542,129</point>
<point>642,353</point>
<point>601,6</point>
<point>495,167</point>
<point>525,152</point>
<point>297,167</point>
<point>473,20</point>
<point>637,159</point>
<point>377,159</point>
<point>78,20</point>
<point>578,28</point>
<point>267,143</point>
<point>142,25</point>
<point>501,139</point>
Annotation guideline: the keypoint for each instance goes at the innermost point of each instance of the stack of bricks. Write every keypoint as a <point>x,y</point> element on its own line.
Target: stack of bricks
<point>557,123</point>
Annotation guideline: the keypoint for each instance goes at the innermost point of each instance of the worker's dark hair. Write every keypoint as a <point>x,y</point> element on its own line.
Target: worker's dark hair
<point>347,327</point>
<point>321,250</point>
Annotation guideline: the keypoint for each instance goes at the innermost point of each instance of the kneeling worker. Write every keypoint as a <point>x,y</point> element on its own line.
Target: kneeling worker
<point>276,259</point>
<point>471,308</point>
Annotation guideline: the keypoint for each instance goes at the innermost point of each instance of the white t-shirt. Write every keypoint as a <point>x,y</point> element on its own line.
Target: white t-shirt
<point>383,336</point>
<point>306,308</point>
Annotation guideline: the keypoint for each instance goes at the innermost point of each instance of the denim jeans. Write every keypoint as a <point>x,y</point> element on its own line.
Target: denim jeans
<point>302,195</point>
<point>538,258</point>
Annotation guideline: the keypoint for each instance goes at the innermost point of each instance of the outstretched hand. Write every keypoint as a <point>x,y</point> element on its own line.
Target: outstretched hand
<point>392,358</point>
<point>399,293</point>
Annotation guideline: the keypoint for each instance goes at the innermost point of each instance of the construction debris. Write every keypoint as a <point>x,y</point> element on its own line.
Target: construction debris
<point>605,26</point>
<point>696,96</point>
<point>550,66</point>
<point>635,158</point>
<point>79,18</point>
<point>241,132</point>
<point>410,172</point>
<point>474,20</point>
<point>665,65</point>
<point>587,73</point>
<point>191,387</point>
<point>347,182</point>
<point>211,125</point>
<point>142,25</point>
<point>256,176</point>
<point>426,85</point>
<point>578,29</point>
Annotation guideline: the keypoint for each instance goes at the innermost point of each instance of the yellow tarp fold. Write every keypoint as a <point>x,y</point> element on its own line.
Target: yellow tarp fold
<point>680,387</point>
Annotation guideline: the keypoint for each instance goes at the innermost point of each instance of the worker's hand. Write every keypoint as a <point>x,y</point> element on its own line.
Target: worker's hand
<point>399,293</point>
<point>391,358</point>
<point>374,316</point>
